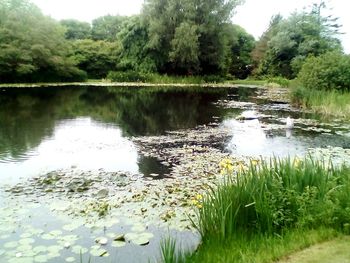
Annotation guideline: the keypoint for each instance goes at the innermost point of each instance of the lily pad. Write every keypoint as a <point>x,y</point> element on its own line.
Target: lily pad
<point>79,250</point>
<point>99,252</point>
<point>26,241</point>
<point>101,240</point>
<point>26,235</point>
<point>138,228</point>
<point>56,232</point>
<point>70,259</point>
<point>48,237</point>
<point>54,249</point>
<point>11,244</point>
<point>142,241</point>
<point>24,248</point>
<point>51,255</point>
<point>39,249</point>
<point>41,258</point>
<point>118,243</point>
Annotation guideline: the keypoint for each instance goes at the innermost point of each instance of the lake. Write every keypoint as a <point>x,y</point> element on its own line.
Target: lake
<point>107,172</point>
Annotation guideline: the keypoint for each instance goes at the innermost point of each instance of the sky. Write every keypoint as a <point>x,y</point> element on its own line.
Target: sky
<point>253,15</point>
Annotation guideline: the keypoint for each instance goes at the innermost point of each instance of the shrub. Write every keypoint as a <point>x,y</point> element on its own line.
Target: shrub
<point>328,71</point>
<point>283,82</point>
<point>128,76</point>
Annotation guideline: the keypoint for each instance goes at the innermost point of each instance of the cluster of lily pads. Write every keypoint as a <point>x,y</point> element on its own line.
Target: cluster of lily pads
<point>94,212</point>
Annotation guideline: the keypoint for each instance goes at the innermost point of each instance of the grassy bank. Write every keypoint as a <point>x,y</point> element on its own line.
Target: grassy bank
<point>328,103</point>
<point>271,210</point>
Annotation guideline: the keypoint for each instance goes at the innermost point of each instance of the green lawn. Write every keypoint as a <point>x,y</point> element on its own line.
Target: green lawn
<point>334,251</point>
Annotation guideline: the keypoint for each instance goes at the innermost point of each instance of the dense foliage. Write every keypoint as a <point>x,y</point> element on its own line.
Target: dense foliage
<point>96,58</point>
<point>189,37</point>
<point>328,71</point>
<point>288,42</point>
<point>32,46</point>
<point>178,38</point>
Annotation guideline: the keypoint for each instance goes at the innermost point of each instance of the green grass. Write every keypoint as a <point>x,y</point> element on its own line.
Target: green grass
<point>334,251</point>
<point>259,248</point>
<point>328,103</point>
<point>273,209</point>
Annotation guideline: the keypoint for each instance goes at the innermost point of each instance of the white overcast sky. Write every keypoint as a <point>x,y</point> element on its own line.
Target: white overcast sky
<point>254,15</point>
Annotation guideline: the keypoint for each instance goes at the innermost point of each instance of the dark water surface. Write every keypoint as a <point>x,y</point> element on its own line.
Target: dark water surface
<point>43,129</point>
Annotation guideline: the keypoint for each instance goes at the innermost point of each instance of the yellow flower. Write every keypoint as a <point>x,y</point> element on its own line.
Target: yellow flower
<point>297,162</point>
<point>226,166</point>
<point>199,197</point>
<point>199,206</point>
<point>195,202</point>
<point>255,162</point>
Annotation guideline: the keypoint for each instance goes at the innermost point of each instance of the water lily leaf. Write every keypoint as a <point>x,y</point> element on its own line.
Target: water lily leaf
<point>52,255</point>
<point>130,236</point>
<point>47,237</point>
<point>56,232</point>
<point>54,249</point>
<point>39,249</point>
<point>101,240</point>
<point>79,250</point>
<point>70,227</point>
<point>24,248</point>
<point>70,259</point>
<point>69,238</point>
<point>95,247</point>
<point>99,252</point>
<point>138,228</point>
<point>11,244</point>
<point>120,237</point>
<point>2,252</point>
<point>147,235</point>
<point>20,260</point>
<point>142,241</point>
<point>41,258</point>
<point>26,241</point>
<point>118,243</point>
<point>26,235</point>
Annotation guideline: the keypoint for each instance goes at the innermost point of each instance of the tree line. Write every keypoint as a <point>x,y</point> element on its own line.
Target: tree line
<point>187,37</point>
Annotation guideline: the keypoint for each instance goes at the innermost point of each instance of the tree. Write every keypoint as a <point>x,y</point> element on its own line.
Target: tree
<point>135,53</point>
<point>32,46</point>
<point>202,49</point>
<point>301,35</point>
<point>107,27</point>
<point>76,29</point>
<point>241,45</point>
<point>261,47</point>
<point>96,58</point>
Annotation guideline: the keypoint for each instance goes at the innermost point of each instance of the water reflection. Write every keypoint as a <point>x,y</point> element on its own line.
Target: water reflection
<point>81,143</point>
<point>51,128</point>
<point>250,139</point>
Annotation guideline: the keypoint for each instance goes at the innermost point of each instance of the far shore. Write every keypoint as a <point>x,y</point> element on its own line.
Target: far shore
<point>123,84</point>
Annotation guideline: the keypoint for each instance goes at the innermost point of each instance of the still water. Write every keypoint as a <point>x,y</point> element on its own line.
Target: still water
<point>93,128</point>
<point>45,129</point>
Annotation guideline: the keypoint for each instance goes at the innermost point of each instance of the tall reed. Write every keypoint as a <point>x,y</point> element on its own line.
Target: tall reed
<point>274,196</point>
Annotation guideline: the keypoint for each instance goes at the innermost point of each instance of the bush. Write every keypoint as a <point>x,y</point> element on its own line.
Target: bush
<point>128,76</point>
<point>283,82</point>
<point>328,71</point>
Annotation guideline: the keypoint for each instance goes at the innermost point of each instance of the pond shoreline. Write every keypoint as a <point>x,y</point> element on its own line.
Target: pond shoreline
<point>124,84</point>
